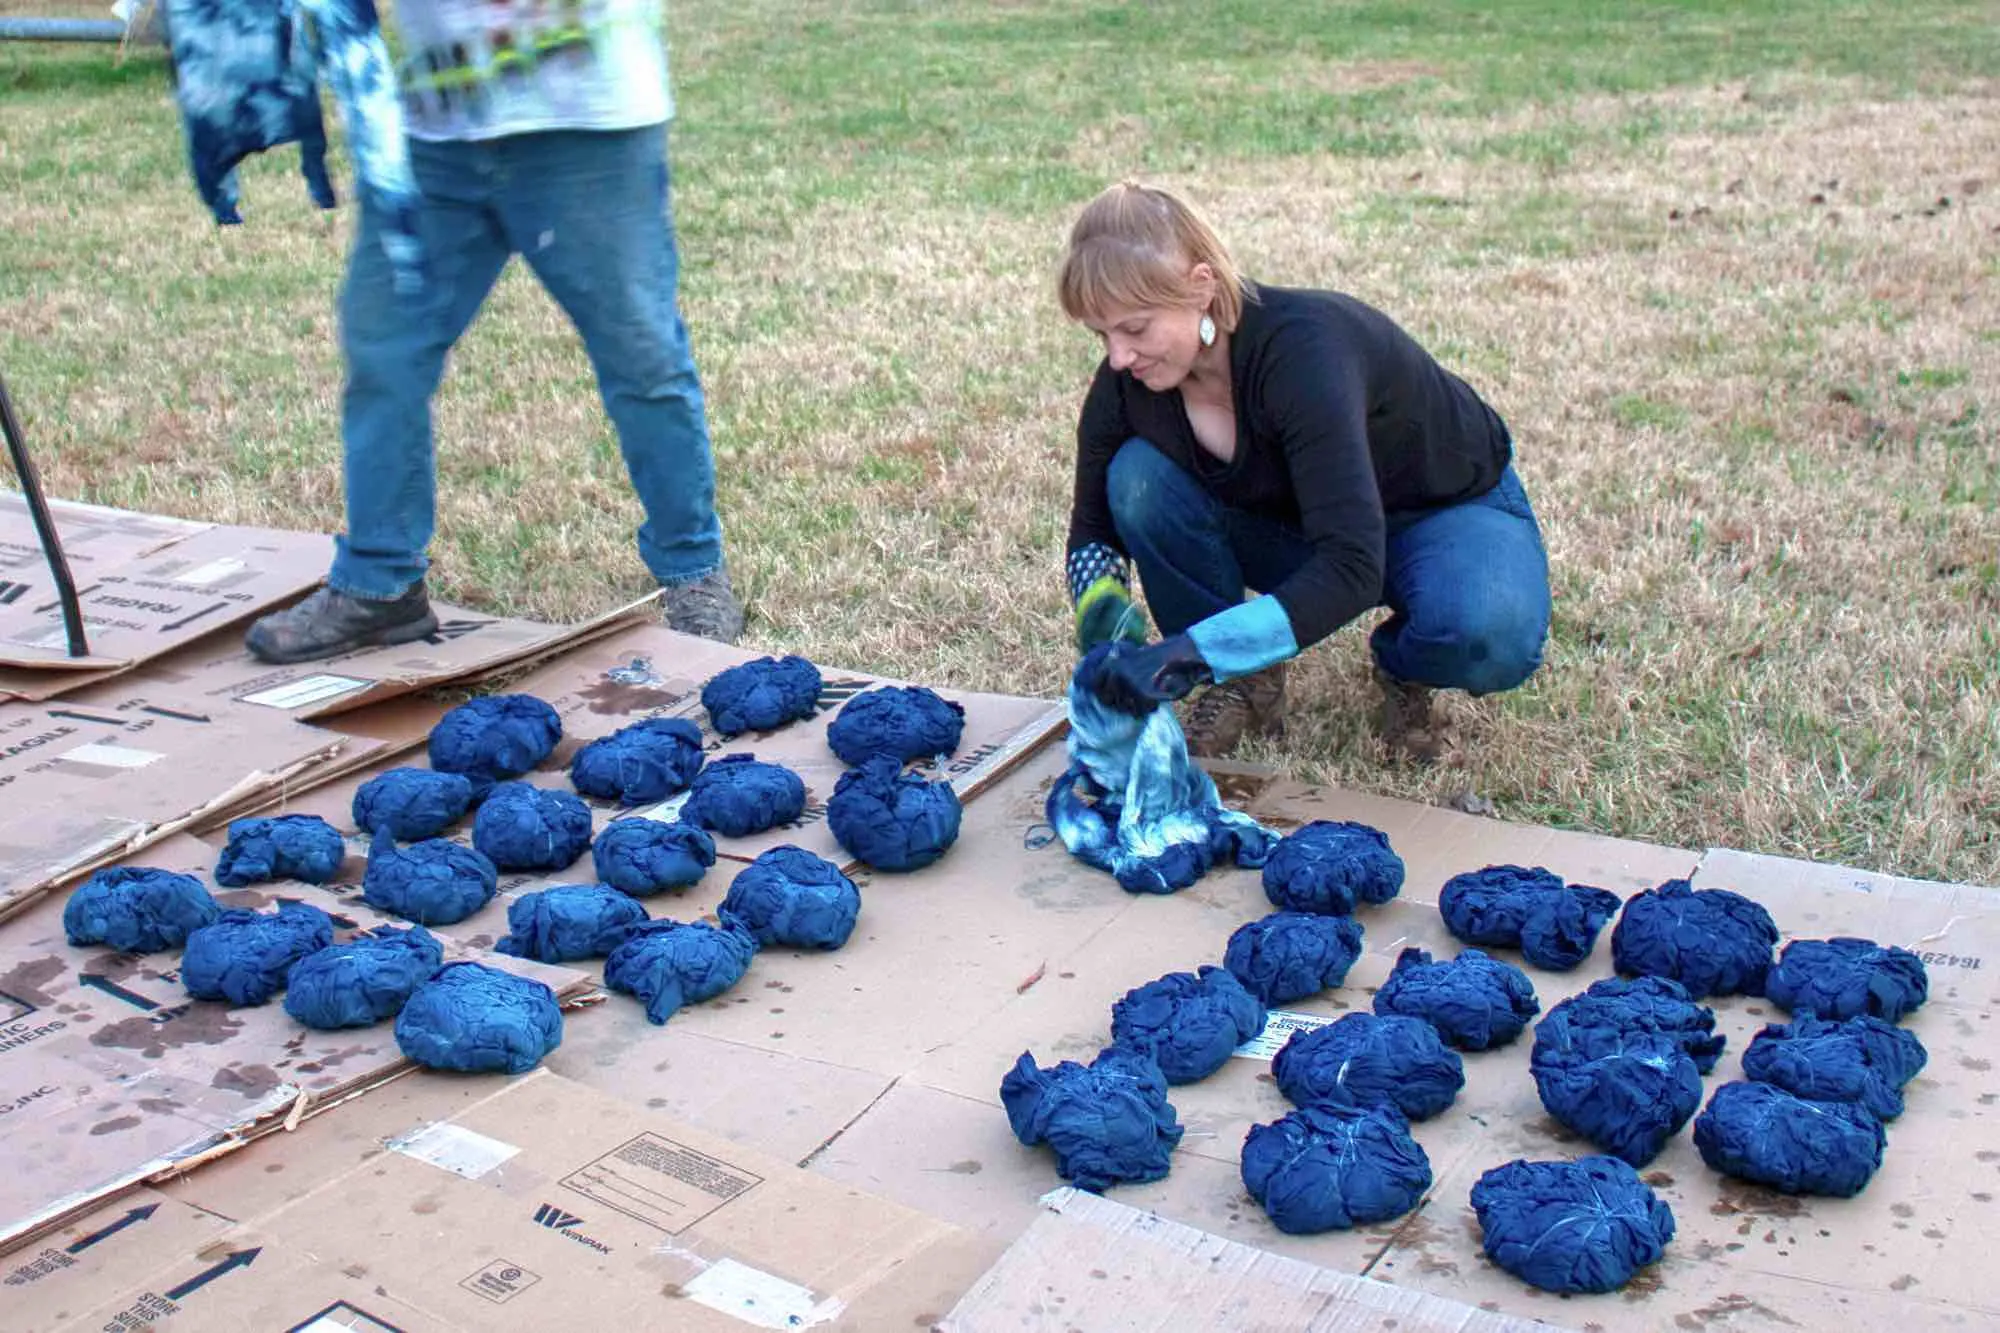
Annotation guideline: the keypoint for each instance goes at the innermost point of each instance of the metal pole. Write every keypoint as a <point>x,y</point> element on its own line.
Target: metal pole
<point>45,526</point>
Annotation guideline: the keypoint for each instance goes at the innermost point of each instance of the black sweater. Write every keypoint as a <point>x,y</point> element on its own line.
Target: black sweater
<point>1340,417</point>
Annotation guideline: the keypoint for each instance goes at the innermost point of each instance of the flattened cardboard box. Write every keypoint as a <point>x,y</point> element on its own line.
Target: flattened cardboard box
<point>95,540</point>
<point>538,1205</point>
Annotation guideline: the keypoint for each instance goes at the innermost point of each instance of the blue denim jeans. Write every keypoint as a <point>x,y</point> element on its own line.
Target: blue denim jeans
<point>1467,585</point>
<point>590,213</point>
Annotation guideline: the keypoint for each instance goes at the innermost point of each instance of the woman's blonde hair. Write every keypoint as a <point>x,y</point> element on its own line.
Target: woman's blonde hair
<point>1132,248</point>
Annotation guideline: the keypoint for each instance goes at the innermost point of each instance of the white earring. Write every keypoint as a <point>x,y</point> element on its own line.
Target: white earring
<point>1207,331</point>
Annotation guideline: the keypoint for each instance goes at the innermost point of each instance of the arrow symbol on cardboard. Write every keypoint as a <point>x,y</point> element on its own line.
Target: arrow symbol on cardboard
<point>137,1215</point>
<point>115,991</point>
<point>240,1259</point>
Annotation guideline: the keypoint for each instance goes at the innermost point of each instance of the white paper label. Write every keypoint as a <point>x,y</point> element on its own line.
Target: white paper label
<point>453,1148</point>
<point>307,690</point>
<point>108,754</point>
<point>758,1298</point>
<point>213,572</point>
<point>666,811</point>
<point>1278,1029</point>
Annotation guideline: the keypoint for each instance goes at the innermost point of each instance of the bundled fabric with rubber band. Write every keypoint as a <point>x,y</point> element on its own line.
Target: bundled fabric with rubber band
<point>892,820</point>
<point>1861,1060</point>
<point>1554,925</point>
<point>300,847</point>
<point>1370,1060</point>
<point>524,827</point>
<point>364,980</point>
<point>761,695</point>
<point>137,909</point>
<point>668,964</point>
<point>1848,978</point>
<point>1712,941</point>
<point>494,738</point>
<point>792,897</point>
<point>476,1019</point>
<point>1474,1002</point>
<point>1760,1133</point>
<point>1133,804</point>
<point>738,795</point>
<point>1188,1022</point>
<point>1287,956</point>
<point>904,722</point>
<point>1108,1122</point>
<point>1331,1168</point>
<point>435,882</point>
<point>568,922</point>
<point>243,957</point>
<point>1636,1005</point>
<point>1586,1226</point>
<point>1621,1064</point>
<point>647,761</point>
<point>411,804</point>
<point>1331,867</point>
<point>643,857</point>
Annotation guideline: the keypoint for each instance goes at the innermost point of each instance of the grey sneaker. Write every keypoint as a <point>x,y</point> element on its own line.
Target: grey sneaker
<point>1408,728</point>
<point>330,623</point>
<point>705,607</point>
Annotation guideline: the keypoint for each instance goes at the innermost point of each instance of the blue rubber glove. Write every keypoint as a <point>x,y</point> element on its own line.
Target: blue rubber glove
<point>1138,680</point>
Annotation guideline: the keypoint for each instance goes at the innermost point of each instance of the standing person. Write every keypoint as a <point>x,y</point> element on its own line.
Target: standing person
<point>1295,444</point>
<point>537,129</point>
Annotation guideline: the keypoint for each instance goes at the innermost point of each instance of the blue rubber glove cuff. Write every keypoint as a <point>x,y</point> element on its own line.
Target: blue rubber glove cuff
<point>1246,638</point>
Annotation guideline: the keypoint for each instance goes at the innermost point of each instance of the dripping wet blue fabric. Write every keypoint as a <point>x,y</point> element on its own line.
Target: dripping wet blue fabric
<point>1475,1002</point>
<point>1627,1092</point>
<point>1331,1168</point>
<point>243,957</point>
<point>892,820</point>
<point>493,738</point>
<point>1639,1005</point>
<point>792,897</point>
<point>739,795</point>
<point>1554,925</point>
<point>1331,866</point>
<point>569,921</point>
<point>1586,1226</point>
<point>643,857</point>
<point>301,847</point>
<point>364,980</point>
<point>1287,956</point>
<point>476,1019</point>
<point>433,883</point>
<point>1760,1133</point>
<point>1109,1122</point>
<point>1133,804</point>
<point>1846,977</point>
<point>1862,1060</point>
<point>761,695</point>
<point>647,761</point>
<point>137,909</point>
<point>1712,941</point>
<point>668,964</point>
<point>411,804</point>
<point>1370,1060</point>
<point>904,722</point>
<point>1189,1022</point>
<point>524,827</point>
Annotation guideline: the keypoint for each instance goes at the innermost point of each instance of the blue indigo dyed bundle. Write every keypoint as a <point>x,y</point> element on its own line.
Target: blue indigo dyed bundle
<point>737,796</point>
<point>647,761</point>
<point>1760,1133</point>
<point>301,847</point>
<point>135,909</point>
<point>1188,1022</point>
<point>1133,804</point>
<point>476,1019</point>
<point>411,804</point>
<point>1848,978</point>
<point>1585,1226</point>
<point>1331,1168</point>
<point>1330,866</point>
<point>1109,1122</point>
<point>890,819</point>
<point>524,827</point>
<point>667,964</point>
<point>1474,1002</point>
<point>791,897</point>
<point>904,722</point>
<point>762,695</point>
<point>433,883</point>
<point>494,738</point>
<point>1627,1092</point>
<point>244,957</point>
<point>1861,1060</point>
<point>1287,956</point>
<point>1617,1005</point>
<point>1553,924</point>
<point>646,856</point>
<point>363,980</point>
<point>1712,941</point>
<point>568,922</point>
<point>1370,1060</point>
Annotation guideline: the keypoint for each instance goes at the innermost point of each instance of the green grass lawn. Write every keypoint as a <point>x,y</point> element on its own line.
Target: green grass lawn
<point>1728,270</point>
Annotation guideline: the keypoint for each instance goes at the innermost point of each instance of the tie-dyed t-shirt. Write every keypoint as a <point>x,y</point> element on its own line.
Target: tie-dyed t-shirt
<point>480,69</point>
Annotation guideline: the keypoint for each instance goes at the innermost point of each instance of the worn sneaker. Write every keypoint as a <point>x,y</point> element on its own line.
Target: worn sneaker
<point>1408,728</point>
<point>330,623</point>
<point>705,607</point>
<point>1222,715</point>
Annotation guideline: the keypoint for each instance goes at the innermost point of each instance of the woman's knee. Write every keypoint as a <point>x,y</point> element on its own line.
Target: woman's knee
<point>1499,647</point>
<point>1150,495</point>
